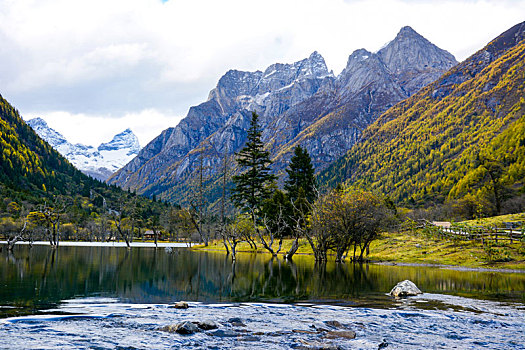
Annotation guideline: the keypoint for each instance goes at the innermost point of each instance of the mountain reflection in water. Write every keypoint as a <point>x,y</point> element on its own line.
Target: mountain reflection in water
<point>41,276</point>
<point>106,298</point>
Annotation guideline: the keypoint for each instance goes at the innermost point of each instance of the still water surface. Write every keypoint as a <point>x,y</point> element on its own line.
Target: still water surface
<point>95,297</point>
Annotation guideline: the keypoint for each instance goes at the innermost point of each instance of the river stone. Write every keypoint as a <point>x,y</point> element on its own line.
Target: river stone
<point>340,334</point>
<point>250,338</point>
<point>383,345</point>
<point>180,305</point>
<point>206,325</point>
<point>335,324</point>
<point>186,327</point>
<point>223,333</point>
<point>304,332</point>
<point>236,322</point>
<point>170,328</point>
<point>320,327</point>
<point>317,345</point>
<point>405,288</point>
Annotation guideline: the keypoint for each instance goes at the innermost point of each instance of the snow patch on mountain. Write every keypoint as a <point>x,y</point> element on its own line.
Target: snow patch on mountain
<point>100,162</point>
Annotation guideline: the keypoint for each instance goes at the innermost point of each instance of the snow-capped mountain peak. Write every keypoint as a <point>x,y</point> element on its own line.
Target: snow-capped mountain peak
<point>98,162</point>
<point>47,133</point>
<point>123,140</point>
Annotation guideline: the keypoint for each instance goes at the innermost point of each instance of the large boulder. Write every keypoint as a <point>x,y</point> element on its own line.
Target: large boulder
<point>186,327</point>
<point>404,289</point>
<point>206,325</point>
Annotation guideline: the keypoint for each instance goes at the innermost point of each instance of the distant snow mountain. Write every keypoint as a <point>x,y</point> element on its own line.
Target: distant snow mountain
<point>100,162</point>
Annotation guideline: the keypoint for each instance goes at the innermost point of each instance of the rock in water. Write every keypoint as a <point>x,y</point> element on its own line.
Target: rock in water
<point>170,328</point>
<point>383,345</point>
<point>340,334</point>
<point>335,324</point>
<point>186,327</point>
<point>180,305</point>
<point>405,288</point>
<point>223,333</point>
<point>207,325</point>
<point>236,322</point>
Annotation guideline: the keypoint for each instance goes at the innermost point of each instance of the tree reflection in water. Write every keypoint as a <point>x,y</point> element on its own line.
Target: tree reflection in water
<point>42,276</point>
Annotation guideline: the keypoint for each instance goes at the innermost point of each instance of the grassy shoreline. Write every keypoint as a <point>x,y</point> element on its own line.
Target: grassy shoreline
<point>417,248</point>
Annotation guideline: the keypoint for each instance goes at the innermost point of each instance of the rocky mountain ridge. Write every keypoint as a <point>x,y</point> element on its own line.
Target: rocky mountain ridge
<point>100,162</point>
<point>440,144</point>
<point>300,103</point>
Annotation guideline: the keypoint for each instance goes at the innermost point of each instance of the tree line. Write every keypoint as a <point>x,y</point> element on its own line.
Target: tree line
<point>105,215</point>
<point>252,208</point>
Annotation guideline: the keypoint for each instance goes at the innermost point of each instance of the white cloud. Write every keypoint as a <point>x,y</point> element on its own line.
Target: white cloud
<point>102,62</point>
<point>120,57</point>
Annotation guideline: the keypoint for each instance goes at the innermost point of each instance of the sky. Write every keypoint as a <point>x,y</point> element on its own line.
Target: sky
<point>92,68</point>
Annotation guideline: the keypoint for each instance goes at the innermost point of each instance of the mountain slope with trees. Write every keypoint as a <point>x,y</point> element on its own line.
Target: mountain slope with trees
<point>300,104</point>
<point>29,164</point>
<point>459,140</point>
<point>45,197</point>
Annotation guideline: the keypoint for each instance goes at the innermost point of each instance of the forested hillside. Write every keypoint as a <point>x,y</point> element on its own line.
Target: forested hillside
<point>44,197</point>
<point>460,139</point>
<point>30,165</point>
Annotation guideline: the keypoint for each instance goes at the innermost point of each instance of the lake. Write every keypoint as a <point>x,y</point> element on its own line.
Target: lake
<point>101,297</point>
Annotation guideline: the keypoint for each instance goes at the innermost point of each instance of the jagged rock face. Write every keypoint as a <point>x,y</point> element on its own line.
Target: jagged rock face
<point>219,124</point>
<point>362,68</point>
<point>414,61</point>
<point>300,103</point>
<point>273,91</point>
<point>100,162</point>
<point>369,85</point>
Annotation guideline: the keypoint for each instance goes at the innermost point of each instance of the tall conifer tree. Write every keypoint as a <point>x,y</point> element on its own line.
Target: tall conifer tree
<point>301,175</point>
<point>252,185</point>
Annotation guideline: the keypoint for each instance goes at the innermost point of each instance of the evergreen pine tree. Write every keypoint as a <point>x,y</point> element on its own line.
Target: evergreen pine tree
<point>252,185</point>
<point>301,175</point>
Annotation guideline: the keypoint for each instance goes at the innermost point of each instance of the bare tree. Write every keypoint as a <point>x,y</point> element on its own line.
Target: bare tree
<point>299,218</point>
<point>235,232</point>
<point>225,177</point>
<point>119,219</point>
<point>49,216</point>
<point>197,203</point>
<point>275,228</point>
<point>14,227</point>
<point>15,236</point>
<point>155,226</point>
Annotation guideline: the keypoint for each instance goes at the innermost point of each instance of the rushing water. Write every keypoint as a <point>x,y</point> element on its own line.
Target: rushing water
<point>95,297</point>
